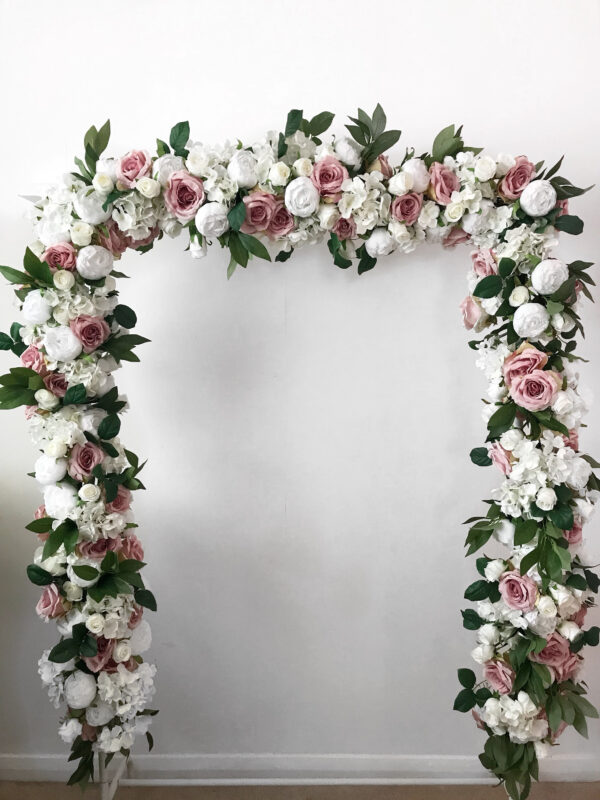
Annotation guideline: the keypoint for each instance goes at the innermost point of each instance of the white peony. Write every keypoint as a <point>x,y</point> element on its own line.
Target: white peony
<point>579,474</point>
<point>70,730</point>
<point>60,500</point>
<point>55,449</point>
<point>505,531</point>
<point>81,233</point>
<point>49,470</point>
<point>482,653</point>
<point>36,310</point>
<point>549,275</point>
<point>488,634</point>
<point>80,689</point>
<point>485,168</point>
<point>546,499</point>
<point>88,206</point>
<point>518,296</point>
<point>100,714</point>
<point>90,420</point>
<point>164,166</point>
<point>301,197</point>
<point>400,183</point>
<point>94,262</point>
<point>61,344</point>
<point>538,198</point>
<point>530,320</point>
<point>348,151</point>
<point>63,280</point>
<point>243,169</point>
<point>570,630</point>
<point>211,220</point>
<point>494,569</point>
<point>198,249</point>
<point>420,174</point>
<point>279,174</point>
<point>380,243</point>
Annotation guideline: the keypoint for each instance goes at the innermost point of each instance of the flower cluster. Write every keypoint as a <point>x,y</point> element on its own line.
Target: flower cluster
<point>289,189</point>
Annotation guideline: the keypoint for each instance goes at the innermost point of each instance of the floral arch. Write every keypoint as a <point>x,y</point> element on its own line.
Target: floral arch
<point>263,201</point>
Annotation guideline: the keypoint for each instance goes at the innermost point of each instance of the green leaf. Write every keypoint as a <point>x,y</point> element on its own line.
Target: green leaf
<point>88,647</point>
<point>102,138</point>
<point>477,591</point>
<point>471,620</point>
<point>75,395</point>
<point>162,148</point>
<point>283,255</point>
<point>150,740</point>
<point>503,418</point>
<point>569,224</point>
<point>380,145</point>
<point>480,456</point>
<point>379,121</point>
<point>490,286</point>
<point>14,276</point>
<point>131,565</point>
<point>465,701</point>
<point>125,316</point>
<point>366,262</point>
<point>294,120</point>
<point>144,597</point>
<point>6,341</point>
<point>109,427</point>
<point>466,678</point>
<point>576,582</point>
<point>43,525</point>
<point>238,251</point>
<point>529,560</point>
<point>15,396</point>
<point>565,290</point>
<point>506,267</point>
<point>37,269</point>
<point>320,123</point>
<point>86,572</point>
<point>525,530</point>
<point>178,138</point>
<point>254,246</point>
<point>237,215</point>
<point>38,575</point>
<point>447,143</point>
<point>584,706</point>
<point>64,651</point>
<point>562,516</point>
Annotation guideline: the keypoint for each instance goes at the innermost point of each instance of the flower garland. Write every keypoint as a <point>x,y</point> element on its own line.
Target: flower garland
<point>290,189</point>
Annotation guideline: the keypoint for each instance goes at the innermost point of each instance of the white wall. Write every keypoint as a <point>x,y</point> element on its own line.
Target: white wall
<point>308,430</point>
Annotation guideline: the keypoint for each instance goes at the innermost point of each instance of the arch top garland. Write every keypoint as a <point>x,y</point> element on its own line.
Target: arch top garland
<point>290,189</point>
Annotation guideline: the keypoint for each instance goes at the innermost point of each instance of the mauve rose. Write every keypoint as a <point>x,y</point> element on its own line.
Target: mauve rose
<point>478,721</point>
<point>121,502</point>
<point>135,244</point>
<point>62,255</point>
<point>282,222</point>
<point>501,458</point>
<point>381,164</point>
<point>471,311</point>
<point>104,655</point>
<point>83,459</point>
<point>88,732</point>
<point>114,239</point>
<point>407,207</point>
<point>132,547</point>
<point>345,228</point>
<point>50,605</point>
<point>572,440</point>
<point>569,668</point>
<point>456,236</point>
<point>56,383</point>
<point>555,653</point>
<point>575,535</point>
<point>99,548</point>
<point>516,179</point>
<point>260,207</point>
<point>32,358</point>
<point>443,183</point>
<point>518,591</point>
<point>134,165</point>
<point>136,616</point>
<point>40,512</point>
<point>484,263</point>
<point>535,390</point>
<point>499,676</point>
<point>112,666</point>
<point>30,411</point>
<point>91,331</point>
<point>184,195</point>
<point>564,207</point>
<point>327,176</point>
<point>579,617</point>
<point>523,361</point>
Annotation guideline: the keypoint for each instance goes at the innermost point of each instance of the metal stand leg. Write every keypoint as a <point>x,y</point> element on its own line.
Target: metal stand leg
<point>108,789</point>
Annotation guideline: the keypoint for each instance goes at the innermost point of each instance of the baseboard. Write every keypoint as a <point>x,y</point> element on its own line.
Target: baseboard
<point>277,768</point>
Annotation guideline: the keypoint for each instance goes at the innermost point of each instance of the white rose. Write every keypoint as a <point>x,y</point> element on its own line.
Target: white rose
<point>141,638</point>
<point>503,163</point>
<point>81,233</point>
<point>420,174</point>
<point>46,400</point>
<point>211,220</point>
<point>546,499</point>
<point>55,449</point>
<point>328,215</point>
<point>61,344</point>
<point>482,653</point>
<point>100,714</point>
<point>302,167</point>
<point>488,634</point>
<point>279,174</point>
<point>82,562</point>
<point>122,651</point>
<point>63,280</point>
<point>400,183</point>
<point>94,262</point>
<point>549,275</point>
<point>538,198</point>
<point>562,403</point>
<point>70,730</point>
<point>546,606</point>
<point>148,187</point>
<point>495,569</point>
<point>570,630</point>
<point>60,500</point>
<point>504,532</point>
<point>454,211</point>
<point>518,296</point>
<point>348,151</point>
<point>88,206</point>
<point>485,168</point>
<point>301,197</point>
<point>49,470</point>
<point>80,689</point>
<point>530,320</point>
<point>243,169</point>
<point>36,310</point>
<point>379,243</point>
<point>103,183</point>
<point>164,166</point>
<point>89,493</point>
<point>74,593</point>
<point>579,474</point>
<point>95,623</point>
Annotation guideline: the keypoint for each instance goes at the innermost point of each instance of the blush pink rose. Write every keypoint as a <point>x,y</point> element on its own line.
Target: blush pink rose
<point>572,440</point>
<point>535,390</point>
<point>555,653</point>
<point>563,205</point>
<point>30,411</point>
<point>327,177</point>
<point>516,179</point>
<point>132,547</point>
<point>575,535</point>
<point>499,676</point>
<point>83,459</point>
<point>443,183</point>
<point>32,358</point>
<point>40,512</point>
<point>381,164</point>
<point>456,236</point>
<point>484,263</point>
<point>518,591</point>
<point>345,228</point>
<point>260,208</point>
<point>99,548</point>
<point>104,655</point>
<point>501,458</point>
<point>60,256</point>
<point>50,605</point>
<point>114,239</point>
<point>407,207</point>
<point>91,331</point>
<point>471,312</point>
<point>282,222</point>
<point>134,165</point>
<point>136,616</point>
<point>56,383</point>
<point>569,668</point>
<point>184,194</point>
<point>121,502</point>
<point>579,617</point>
<point>523,361</point>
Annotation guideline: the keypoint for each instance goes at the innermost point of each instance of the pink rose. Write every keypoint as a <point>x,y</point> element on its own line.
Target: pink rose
<point>282,222</point>
<point>40,512</point>
<point>121,502</point>
<point>99,548</point>
<point>518,591</point>
<point>30,411</point>
<point>579,617</point>
<point>132,547</point>
<point>83,459</point>
<point>471,311</point>
<point>555,653</point>
<point>454,237</point>
<point>563,205</point>
<point>327,176</point>
<point>56,383</point>
<point>443,183</point>
<point>523,361</point>
<point>407,207</point>
<point>575,535</point>
<point>60,256</point>
<point>32,358</point>
<point>499,676</point>
<point>260,208</point>
<point>501,458</point>
<point>136,616</point>
<point>484,263</point>
<point>381,164</point>
<point>135,244</point>
<point>569,668</point>
<point>134,165</point>
<point>114,239</point>
<point>91,331</point>
<point>345,228</point>
<point>88,732</point>
<point>104,655</point>
<point>50,605</point>
<point>184,195</point>
<point>516,179</point>
<point>536,390</point>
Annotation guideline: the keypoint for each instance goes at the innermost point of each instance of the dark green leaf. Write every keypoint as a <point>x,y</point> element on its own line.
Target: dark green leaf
<point>14,276</point>
<point>64,651</point>
<point>480,456</point>
<point>109,427</point>
<point>75,395</point>
<point>237,215</point>
<point>294,120</point>
<point>490,286</point>
<point>465,701</point>
<point>569,224</point>
<point>38,575</point>
<point>178,138</point>
<point>42,525</point>
<point>254,246</point>
<point>125,316</point>
<point>466,678</point>
<point>320,123</point>
<point>144,597</point>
